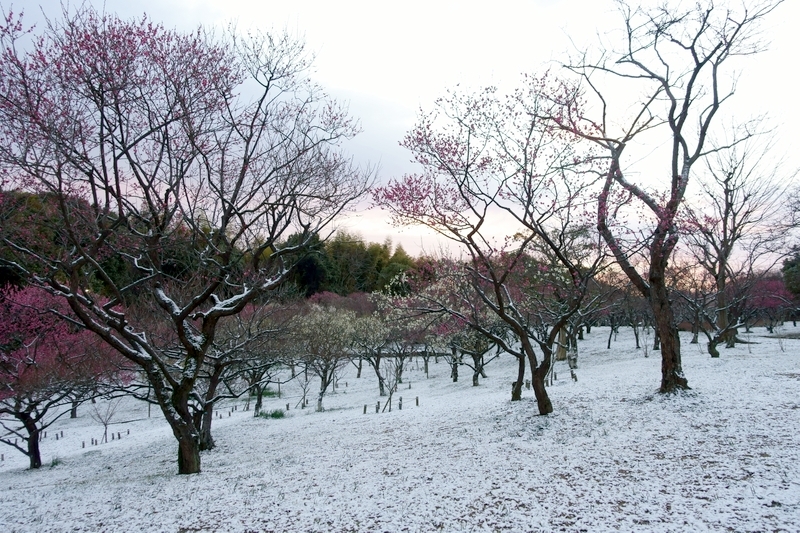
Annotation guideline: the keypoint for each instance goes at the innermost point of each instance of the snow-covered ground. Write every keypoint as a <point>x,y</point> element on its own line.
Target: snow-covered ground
<point>614,456</point>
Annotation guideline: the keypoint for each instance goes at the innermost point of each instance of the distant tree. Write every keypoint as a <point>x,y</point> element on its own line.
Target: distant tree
<point>46,361</point>
<point>739,224</point>
<point>323,338</point>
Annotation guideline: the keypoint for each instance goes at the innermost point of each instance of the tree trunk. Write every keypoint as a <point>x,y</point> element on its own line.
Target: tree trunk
<point>454,365</point>
<point>516,387</point>
<point>672,377</point>
<point>359,366</point>
<point>34,454</point>
<point>259,400</point>
<point>477,361</point>
<point>206,440</point>
<point>538,375</point>
<point>188,454</point>
<point>561,350</point>
<point>712,347</point>
<point>73,411</point>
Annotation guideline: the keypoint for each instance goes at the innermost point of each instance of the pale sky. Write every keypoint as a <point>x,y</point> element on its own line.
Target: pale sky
<point>388,59</point>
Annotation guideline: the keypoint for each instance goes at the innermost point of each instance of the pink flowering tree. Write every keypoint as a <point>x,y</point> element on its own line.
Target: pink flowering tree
<point>46,360</point>
<point>218,144</point>
<point>504,186</point>
<point>677,58</point>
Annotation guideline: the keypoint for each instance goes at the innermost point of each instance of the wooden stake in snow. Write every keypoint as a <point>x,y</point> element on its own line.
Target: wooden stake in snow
<point>378,407</point>
<point>400,402</point>
<point>417,401</point>
<point>365,408</point>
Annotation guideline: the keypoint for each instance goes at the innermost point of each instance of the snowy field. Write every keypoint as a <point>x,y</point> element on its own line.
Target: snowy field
<point>614,456</point>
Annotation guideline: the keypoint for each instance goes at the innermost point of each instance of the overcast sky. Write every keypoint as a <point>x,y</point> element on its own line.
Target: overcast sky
<point>388,59</point>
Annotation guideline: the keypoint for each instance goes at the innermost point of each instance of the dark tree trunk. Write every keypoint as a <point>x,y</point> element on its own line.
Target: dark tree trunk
<point>377,367</point>
<point>538,375</point>
<point>259,399</point>
<point>712,347</point>
<point>206,440</point>
<point>188,454</point>
<point>34,454</point>
<point>73,411</point>
<point>359,366</point>
<point>174,405</point>
<point>672,377</point>
<point>516,387</point>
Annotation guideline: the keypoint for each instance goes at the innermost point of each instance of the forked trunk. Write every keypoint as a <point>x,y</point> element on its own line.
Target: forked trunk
<point>712,347</point>
<point>537,382</point>
<point>454,365</point>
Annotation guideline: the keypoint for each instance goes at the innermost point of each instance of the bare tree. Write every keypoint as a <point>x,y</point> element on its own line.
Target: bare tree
<point>153,130</point>
<point>677,57</point>
<point>104,414</point>
<point>324,340</point>
<point>739,225</point>
<point>492,162</point>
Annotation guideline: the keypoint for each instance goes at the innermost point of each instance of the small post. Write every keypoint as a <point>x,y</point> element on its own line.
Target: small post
<point>409,385</point>
<point>56,436</point>
<point>287,406</point>
<point>2,457</point>
<point>83,444</point>
<point>378,407</point>
<point>528,384</point>
<point>129,432</point>
<point>112,435</point>
<point>365,408</point>
<point>62,433</point>
<point>417,401</point>
<point>118,435</point>
<point>400,404</point>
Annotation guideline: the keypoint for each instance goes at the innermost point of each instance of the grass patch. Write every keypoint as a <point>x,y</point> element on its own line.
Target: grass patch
<point>276,413</point>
